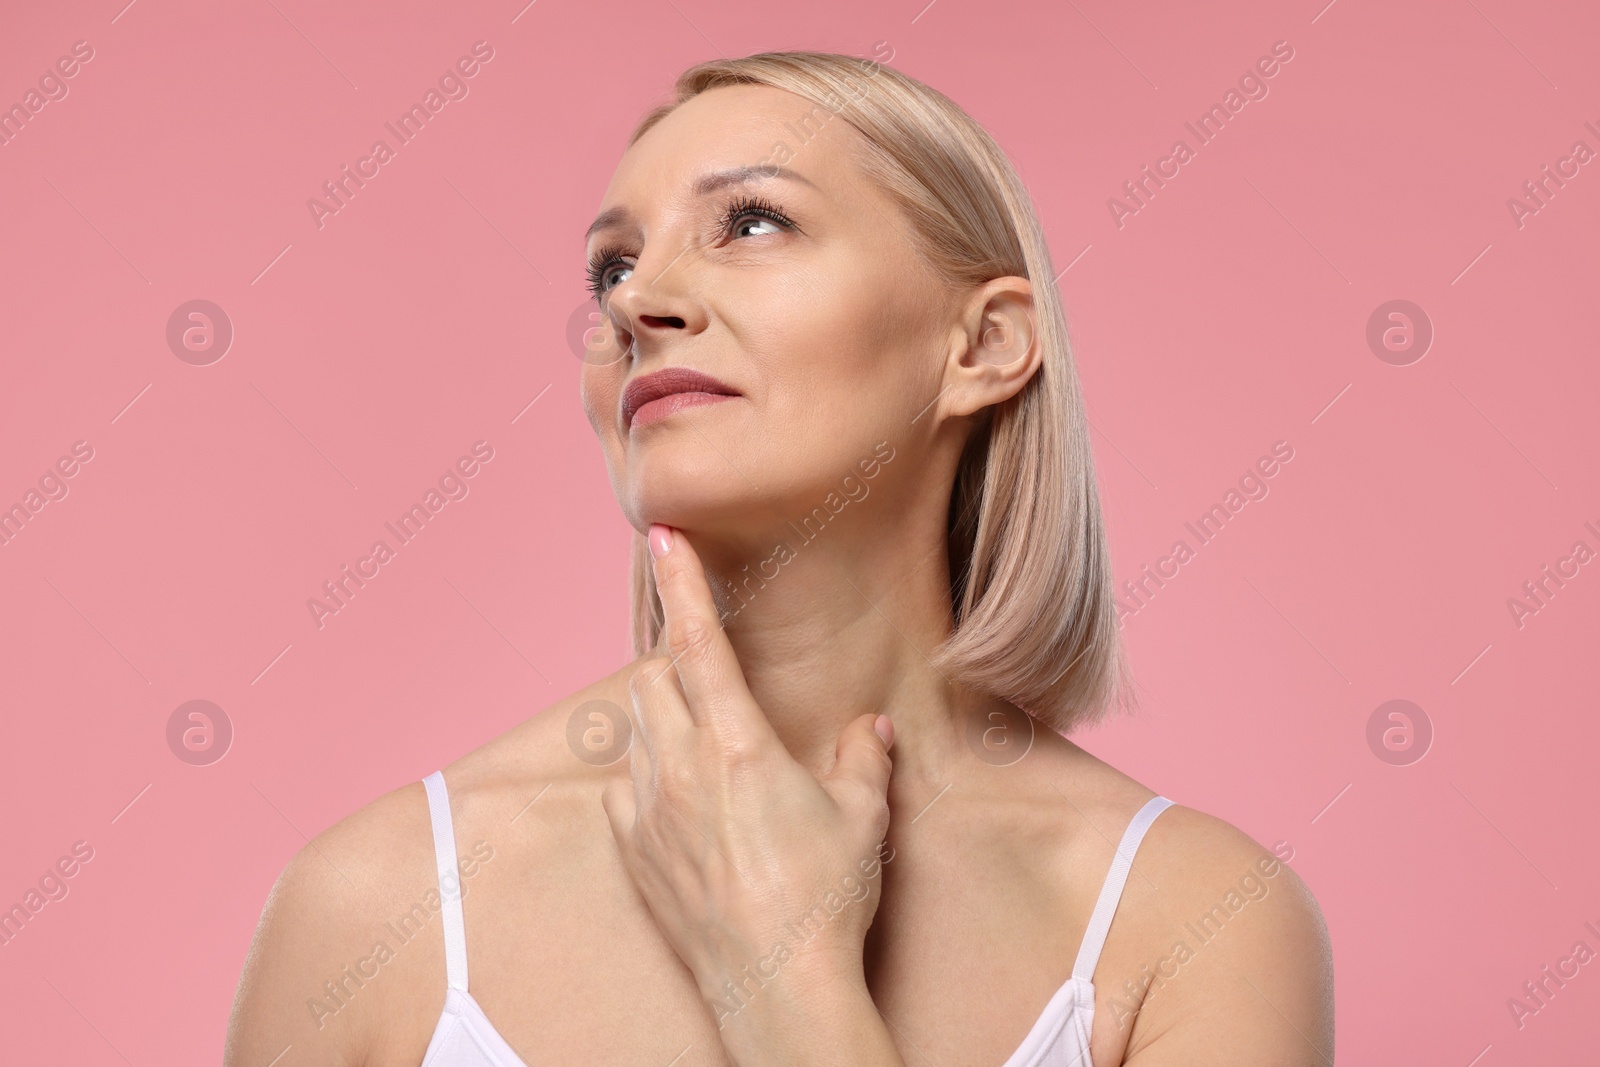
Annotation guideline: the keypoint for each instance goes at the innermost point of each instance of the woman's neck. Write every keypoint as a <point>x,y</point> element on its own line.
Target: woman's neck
<point>841,625</point>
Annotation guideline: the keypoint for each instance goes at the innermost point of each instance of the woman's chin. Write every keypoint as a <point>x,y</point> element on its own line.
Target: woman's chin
<point>732,519</point>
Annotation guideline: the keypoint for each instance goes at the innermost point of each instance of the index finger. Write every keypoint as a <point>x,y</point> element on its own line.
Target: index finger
<point>713,682</point>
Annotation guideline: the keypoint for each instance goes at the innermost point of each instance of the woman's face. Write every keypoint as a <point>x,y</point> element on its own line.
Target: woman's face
<point>829,327</point>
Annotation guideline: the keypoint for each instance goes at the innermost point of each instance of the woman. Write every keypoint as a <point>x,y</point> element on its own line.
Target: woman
<point>845,422</point>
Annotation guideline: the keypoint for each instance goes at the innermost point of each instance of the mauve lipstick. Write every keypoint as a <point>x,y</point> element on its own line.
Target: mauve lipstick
<point>655,396</point>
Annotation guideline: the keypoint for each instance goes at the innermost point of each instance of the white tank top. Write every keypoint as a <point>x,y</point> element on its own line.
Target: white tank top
<point>464,1036</point>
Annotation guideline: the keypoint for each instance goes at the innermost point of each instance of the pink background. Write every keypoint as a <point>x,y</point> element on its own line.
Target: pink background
<point>1227,314</point>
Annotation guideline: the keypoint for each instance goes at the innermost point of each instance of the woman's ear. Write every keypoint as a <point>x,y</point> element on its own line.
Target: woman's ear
<point>998,349</point>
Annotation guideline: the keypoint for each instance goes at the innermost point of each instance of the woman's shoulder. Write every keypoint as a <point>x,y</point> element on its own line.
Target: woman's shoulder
<point>1194,850</point>
<point>1212,924</point>
<point>555,758</point>
<point>330,917</point>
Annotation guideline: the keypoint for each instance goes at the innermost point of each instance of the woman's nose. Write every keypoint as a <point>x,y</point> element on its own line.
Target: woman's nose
<point>659,322</point>
<point>656,302</point>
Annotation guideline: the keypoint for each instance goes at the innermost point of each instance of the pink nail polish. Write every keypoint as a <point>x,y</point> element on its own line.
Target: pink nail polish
<point>883,726</point>
<point>660,540</point>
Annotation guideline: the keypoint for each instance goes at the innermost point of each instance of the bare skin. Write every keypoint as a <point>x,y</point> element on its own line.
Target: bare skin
<point>836,338</point>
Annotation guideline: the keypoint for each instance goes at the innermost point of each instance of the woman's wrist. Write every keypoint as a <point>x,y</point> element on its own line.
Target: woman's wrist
<point>813,1011</point>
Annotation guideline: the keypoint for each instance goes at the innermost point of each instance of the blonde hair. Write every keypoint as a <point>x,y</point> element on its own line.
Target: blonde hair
<point>1031,582</point>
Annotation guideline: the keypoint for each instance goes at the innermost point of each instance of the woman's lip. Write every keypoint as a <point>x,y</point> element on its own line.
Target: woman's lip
<point>664,382</point>
<point>661,407</point>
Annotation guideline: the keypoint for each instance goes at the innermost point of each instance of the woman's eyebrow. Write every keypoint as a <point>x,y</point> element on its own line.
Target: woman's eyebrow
<point>708,183</point>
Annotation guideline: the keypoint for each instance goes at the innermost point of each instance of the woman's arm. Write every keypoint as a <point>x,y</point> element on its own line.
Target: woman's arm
<point>810,1016</point>
<point>1259,992</point>
<point>301,941</point>
<point>322,966</point>
<point>734,846</point>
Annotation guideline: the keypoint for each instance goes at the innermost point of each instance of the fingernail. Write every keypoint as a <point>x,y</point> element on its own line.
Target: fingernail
<point>660,540</point>
<point>884,728</point>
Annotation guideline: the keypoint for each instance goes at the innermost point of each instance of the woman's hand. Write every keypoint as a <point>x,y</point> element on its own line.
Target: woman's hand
<point>762,876</point>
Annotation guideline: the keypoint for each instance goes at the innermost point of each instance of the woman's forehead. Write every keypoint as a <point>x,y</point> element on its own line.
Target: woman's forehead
<point>737,126</point>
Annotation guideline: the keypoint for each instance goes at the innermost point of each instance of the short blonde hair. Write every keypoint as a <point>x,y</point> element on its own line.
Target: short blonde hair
<point>1031,581</point>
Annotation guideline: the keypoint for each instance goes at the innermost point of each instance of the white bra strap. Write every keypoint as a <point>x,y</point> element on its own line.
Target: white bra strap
<point>444,851</point>
<point>1094,938</point>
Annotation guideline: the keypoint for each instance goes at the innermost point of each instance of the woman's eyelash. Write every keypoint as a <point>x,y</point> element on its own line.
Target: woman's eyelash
<point>599,263</point>
<point>753,205</point>
<point>604,258</point>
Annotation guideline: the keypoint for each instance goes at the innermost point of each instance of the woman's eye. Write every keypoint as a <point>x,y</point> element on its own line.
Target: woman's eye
<point>757,220</point>
<point>607,271</point>
<point>601,270</point>
<point>749,211</point>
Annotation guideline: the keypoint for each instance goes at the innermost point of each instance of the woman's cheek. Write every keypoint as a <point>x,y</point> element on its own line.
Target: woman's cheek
<point>599,399</point>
